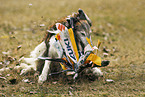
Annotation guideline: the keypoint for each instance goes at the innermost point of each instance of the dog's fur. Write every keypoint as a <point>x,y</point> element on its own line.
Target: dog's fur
<point>47,48</point>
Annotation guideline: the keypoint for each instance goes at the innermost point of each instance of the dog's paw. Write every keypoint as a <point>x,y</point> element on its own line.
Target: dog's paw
<point>97,72</point>
<point>42,79</point>
<point>26,70</point>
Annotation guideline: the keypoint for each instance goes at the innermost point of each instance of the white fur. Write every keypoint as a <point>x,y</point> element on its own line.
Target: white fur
<point>55,50</point>
<point>43,76</point>
<point>31,63</point>
<point>97,72</point>
<point>53,53</point>
<point>39,50</point>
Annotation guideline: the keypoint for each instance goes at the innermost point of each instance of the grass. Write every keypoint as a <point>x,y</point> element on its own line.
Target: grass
<point>119,24</point>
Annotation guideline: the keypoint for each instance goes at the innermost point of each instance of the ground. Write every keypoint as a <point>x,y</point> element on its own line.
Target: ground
<point>119,24</point>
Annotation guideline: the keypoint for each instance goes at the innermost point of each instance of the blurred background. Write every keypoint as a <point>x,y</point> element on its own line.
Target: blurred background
<point>119,24</point>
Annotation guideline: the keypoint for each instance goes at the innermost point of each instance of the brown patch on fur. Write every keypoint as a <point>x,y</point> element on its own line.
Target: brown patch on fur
<point>53,27</point>
<point>47,38</point>
<point>49,35</point>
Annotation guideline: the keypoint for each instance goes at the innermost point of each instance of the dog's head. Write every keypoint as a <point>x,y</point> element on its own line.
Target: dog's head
<point>84,16</point>
<point>83,29</point>
<point>81,25</point>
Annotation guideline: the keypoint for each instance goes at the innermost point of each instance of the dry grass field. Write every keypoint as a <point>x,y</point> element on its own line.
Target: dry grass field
<point>119,24</point>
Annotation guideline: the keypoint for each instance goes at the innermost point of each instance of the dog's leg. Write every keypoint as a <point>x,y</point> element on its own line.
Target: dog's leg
<point>97,72</point>
<point>93,73</point>
<point>31,63</point>
<point>43,76</point>
<point>55,51</point>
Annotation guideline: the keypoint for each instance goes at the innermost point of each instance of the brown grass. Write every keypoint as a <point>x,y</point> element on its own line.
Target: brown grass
<point>119,24</point>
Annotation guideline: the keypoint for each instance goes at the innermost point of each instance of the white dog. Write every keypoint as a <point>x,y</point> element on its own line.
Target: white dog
<point>58,45</point>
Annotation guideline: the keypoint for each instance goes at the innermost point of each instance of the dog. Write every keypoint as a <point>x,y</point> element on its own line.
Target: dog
<point>59,46</point>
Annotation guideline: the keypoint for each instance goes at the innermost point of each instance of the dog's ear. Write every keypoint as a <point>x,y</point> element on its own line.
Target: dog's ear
<point>83,16</point>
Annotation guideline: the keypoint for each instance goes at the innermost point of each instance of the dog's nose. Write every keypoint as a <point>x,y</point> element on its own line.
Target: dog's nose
<point>105,63</point>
